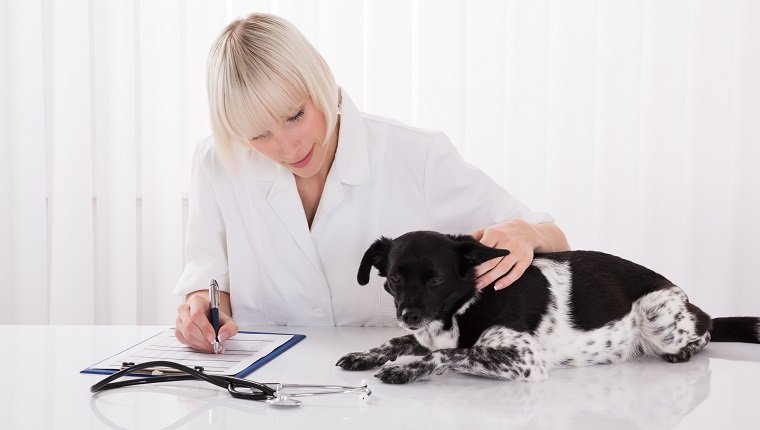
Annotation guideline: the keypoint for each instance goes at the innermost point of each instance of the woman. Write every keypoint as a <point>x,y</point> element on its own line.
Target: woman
<point>295,183</point>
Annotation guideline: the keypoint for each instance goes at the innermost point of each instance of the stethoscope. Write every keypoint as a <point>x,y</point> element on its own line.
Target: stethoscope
<point>274,394</point>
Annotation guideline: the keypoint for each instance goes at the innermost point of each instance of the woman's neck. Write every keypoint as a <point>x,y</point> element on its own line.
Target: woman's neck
<point>310,189</point>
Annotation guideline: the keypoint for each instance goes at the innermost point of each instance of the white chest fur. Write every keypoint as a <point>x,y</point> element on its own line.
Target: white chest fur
<point>434,337</point>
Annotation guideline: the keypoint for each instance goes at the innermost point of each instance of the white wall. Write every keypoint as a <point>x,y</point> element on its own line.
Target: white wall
<point>635,123</point>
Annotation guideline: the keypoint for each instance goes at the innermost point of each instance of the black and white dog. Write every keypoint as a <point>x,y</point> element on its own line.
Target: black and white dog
<point>568,309</point>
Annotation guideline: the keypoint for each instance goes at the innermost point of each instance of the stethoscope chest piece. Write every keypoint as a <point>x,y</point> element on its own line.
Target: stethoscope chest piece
<point>282,401</point>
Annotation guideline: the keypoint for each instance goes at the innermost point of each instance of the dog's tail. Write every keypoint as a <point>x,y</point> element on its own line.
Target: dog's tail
<point>735,329</point>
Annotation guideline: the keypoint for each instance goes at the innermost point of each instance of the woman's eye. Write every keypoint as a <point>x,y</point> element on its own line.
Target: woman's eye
<point>435,281</point>
<point>259,137</point>
<point>297,116</point>
<point>394,279</point>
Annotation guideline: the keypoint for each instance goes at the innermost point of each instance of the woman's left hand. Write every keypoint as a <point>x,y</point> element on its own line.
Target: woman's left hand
<point>520,239</point>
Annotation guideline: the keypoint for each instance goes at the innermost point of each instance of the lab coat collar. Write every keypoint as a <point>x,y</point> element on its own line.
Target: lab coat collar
<point>351,163</point>
<point>351,158</point>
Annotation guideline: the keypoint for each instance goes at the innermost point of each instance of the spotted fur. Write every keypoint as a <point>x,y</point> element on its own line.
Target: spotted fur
<point>568,309</point>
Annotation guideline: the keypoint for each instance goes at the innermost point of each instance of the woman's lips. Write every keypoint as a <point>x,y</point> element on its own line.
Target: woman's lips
<point>305,160</point>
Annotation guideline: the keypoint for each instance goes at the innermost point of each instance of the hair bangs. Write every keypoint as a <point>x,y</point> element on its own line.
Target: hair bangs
<point>266,100</point>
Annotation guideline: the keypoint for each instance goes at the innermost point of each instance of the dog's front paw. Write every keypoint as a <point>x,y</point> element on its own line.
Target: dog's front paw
<point>401,374</point>
<point>361,361</point>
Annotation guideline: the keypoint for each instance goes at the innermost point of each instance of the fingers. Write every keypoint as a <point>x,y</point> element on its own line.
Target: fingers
<point>478,234</point>
<point>503,266</point>
<point>513,268</point>
<point>486,267</point>
<point>514,274</point>
<point>486,236</point>
<point>199,314</point>
<point>488,240</point>
<point>193,326</point>
<point>514,236</point>
<point>178,333</point>
<point>228,327</point>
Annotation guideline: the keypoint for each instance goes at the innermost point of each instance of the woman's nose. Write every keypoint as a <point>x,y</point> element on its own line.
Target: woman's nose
<point>288,145</point>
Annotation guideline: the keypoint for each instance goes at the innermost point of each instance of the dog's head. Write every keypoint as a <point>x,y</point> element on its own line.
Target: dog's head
<point>430,275</point>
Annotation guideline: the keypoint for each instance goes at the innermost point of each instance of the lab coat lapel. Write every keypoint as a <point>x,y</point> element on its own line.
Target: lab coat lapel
<point>331,197</point>
<point>284,200</point>
<point>351,163</point>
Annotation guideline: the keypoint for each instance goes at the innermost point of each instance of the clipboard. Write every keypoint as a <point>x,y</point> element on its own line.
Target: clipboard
<point>245,365</point>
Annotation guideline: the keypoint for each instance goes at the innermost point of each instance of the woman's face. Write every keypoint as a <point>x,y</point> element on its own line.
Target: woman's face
<point>296,143</point>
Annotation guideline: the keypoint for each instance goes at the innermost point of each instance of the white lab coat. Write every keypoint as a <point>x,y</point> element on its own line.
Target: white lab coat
<point>248,230</point>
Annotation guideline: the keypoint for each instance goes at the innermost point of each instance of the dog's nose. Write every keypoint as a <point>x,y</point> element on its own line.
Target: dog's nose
<point>411,316</point>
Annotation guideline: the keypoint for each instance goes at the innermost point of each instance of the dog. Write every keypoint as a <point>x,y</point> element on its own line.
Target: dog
<point>569,309</point>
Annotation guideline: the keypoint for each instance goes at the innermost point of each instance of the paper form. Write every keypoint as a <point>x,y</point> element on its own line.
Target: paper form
<point>240,351</point>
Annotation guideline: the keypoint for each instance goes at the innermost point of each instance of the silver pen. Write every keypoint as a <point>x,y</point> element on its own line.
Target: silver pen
<point>213,297</point>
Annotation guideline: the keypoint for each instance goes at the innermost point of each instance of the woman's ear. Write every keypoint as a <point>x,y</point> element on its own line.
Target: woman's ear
<point>377,256</point>
<point>472,253</point>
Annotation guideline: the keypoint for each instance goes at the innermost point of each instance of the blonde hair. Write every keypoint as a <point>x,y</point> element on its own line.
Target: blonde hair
<point>260,70</point>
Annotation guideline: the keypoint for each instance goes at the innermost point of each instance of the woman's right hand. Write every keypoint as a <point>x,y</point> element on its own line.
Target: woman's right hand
<point>193,325</point>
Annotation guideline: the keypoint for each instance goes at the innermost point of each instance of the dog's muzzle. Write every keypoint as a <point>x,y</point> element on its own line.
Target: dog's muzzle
<point>411,319</point>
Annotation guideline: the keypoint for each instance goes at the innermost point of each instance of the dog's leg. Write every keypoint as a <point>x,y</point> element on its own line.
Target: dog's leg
<point>699,338</point>
<point>672,327</point>
<point>500,353</point>
<point>389,351</point>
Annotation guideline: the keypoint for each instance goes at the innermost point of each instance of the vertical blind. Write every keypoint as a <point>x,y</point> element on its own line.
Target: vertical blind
<point>636,124</point>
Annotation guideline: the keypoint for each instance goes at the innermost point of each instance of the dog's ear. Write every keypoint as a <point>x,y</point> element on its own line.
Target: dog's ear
<point>377,256</point>
<point>472,253</point>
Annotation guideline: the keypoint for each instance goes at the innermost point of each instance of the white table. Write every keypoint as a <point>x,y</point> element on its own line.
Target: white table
<point>43,389</point>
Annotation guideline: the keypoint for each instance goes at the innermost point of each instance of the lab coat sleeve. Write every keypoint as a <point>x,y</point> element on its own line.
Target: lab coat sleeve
<point>460,198</point>
<point>205,240</point>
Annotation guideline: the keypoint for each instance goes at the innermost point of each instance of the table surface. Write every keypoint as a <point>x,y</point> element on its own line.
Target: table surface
<point>44,389</point>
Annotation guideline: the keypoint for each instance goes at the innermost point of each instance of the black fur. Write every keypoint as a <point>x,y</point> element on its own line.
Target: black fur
<point>605,286</point>
<point>518,307</point>
<point>735,329</point>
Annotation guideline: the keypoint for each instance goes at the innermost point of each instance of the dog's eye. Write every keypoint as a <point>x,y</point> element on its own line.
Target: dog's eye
<point>435,281</point>
<point>395,279</point>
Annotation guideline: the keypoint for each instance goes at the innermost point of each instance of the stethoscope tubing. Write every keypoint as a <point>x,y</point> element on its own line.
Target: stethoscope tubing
<point>230,383</point>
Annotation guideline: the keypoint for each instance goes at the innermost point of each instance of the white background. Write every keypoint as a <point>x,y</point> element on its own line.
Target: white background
<point>636,124</point>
